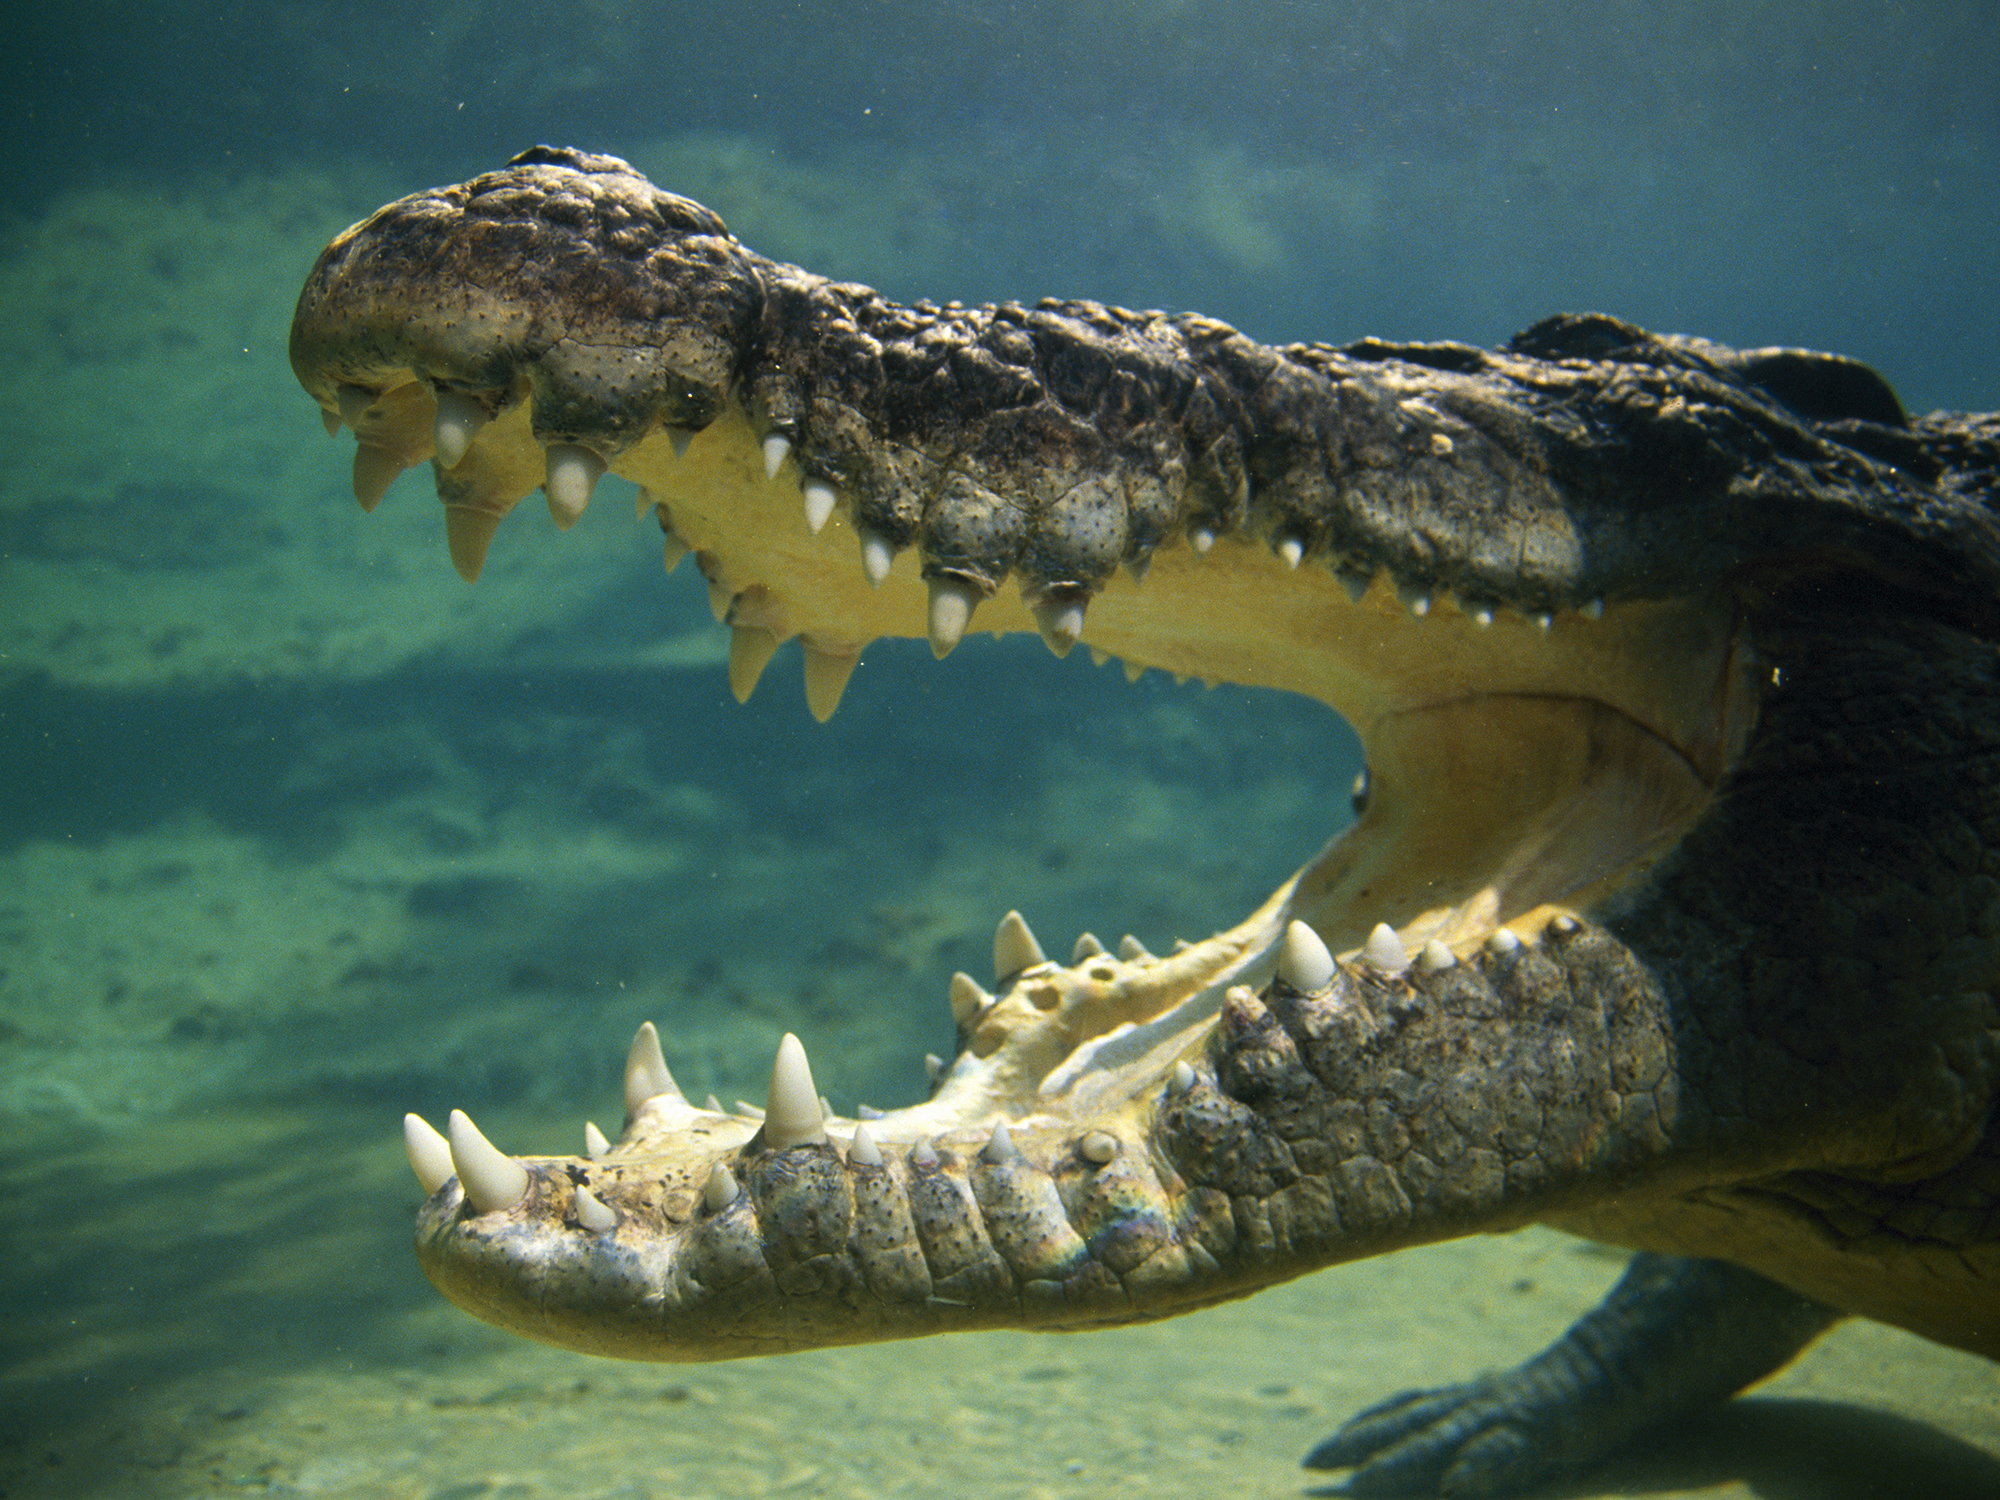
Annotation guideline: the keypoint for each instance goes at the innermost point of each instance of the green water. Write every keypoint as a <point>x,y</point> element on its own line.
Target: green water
<point>297,832</point>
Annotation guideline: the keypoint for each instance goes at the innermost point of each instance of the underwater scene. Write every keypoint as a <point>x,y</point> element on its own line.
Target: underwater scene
<point>298,831</point>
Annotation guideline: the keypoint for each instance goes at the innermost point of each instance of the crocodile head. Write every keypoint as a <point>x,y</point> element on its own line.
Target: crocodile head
<point>1555,588</point>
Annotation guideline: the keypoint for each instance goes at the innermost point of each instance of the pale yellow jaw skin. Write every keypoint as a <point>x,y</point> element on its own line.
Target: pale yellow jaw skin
<point>1519,767</point>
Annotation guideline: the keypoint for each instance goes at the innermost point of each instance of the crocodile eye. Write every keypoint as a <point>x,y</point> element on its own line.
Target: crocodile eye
<point>1360,794</point>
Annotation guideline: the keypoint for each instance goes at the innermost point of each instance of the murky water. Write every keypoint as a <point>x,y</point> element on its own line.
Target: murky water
<point>297,832</point>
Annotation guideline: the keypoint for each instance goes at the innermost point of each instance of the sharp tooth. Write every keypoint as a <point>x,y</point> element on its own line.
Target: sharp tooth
<point>590,1211</point>
<point>967,998</point>
<point>1183,1078</point>
<point>868,1112</point>
<point>1000,1147</point>
<point>1435,956</point>
<point>1139,566</point>
<point>467,534</point>
<point>1545,622</point>
<point>1503,941</point>
<point>595,1146</point>
<point>1060,622</point>
<point>1303,960</point>
<point>1099,656</point>
<point>713,1105</point>
<point>375,469</point>
<point>492,1179</point>
<point>1594,610</point>
<point>1384,950</point>
<point>826,678</point>
<point>1014,948</point>
<point>923,1154</point>
<point>791,1111</point>
<point>748,1110</point>
<point>1293,551</point>
<point>330,420</point>
<point>672,550</point>
<point>933,1068</point>
<point>819,499</point>
<point>646,1074</point>
<point>1563,926</point>
<point>678,439</point>
<point>1097,1146</point>
<point>720,1190</point>
<point>1087,947</point>
<point>876,556</point>
<point>430,1153</point>
<point>750,651</point>
<point>952,603</point>
<point>864,1149</point>
<point>571,475</point>
<point>353,402</point>
<point>459,419</point>
<point>1355,582</point>
<point>1201,539</point>
<point>1133,951</point>
<point>1133,671</point>
<point>1481,616</point>
<point>825,1109</point>
<point>777,447</point>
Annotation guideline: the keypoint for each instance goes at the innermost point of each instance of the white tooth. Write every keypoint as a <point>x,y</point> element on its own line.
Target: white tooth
<point>1000,1147</point>
<point>952,603</point>
<point>748,1110</point>
<point>826,674</point>
<point>1435,957</point>
<point>459,419</point>
<point>678,439</point>
<point>1384,950</point>
<point>1201,539</point>
<point>646,1069</point>
<point>864,1149</point>
<point>1097,1146</point>
<point>595,1146</point>
<point>720,1190</point>
<point>1545,622</point>
<point>868,1112</point>
<point>1563,926</point>
<point>791,1111</point>
<point>967,998</point>
<point>876,556</point>
<point>777,447</point>
<point>933,1068</point>
<point>1014,948</point>
<point>819,500</point>
<point>430,1153</point>
<point>1482,617</point>
<point>492,1179</point>
<point>750,651</point>
<point>1503,941</point>
<point>1061,623</point>
<point>1293,551</point>
<point>923,1154</point>
<point>353,403</point>
<point>713,1105</point>
<point>1303,960</point>
<point>571,475</point>
<point>1087,947</point>
<point>1133,951</point>
<point>1420,605</point>
<point>825,1109</point>
<point>1183,1078</point>
<point>1594,610</point>
<point>590,1211</point>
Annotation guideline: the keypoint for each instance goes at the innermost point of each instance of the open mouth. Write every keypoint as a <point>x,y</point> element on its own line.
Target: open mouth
<point>1531,747</point>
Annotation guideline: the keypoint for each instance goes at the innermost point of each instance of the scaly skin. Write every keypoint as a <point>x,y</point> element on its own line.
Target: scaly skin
<point>1675,669</point>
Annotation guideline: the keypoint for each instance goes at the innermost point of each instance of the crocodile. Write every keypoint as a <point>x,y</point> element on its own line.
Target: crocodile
<point>1669,914</point>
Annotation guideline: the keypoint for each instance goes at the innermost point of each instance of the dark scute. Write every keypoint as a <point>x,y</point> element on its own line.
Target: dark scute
<point>1823,387</point>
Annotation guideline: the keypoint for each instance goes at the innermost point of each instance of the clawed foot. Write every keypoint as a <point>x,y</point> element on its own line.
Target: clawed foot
<point>1456,1440</point>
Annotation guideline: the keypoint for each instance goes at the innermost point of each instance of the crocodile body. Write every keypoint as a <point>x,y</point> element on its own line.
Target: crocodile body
<point>1670,915</point>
